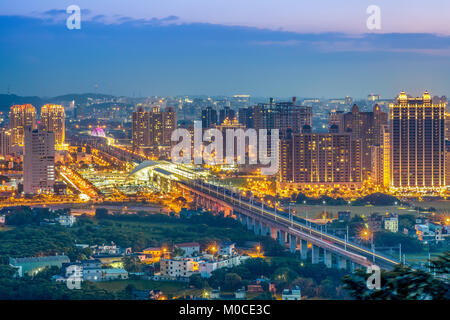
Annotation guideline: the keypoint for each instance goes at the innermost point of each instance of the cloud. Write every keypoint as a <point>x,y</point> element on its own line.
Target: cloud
<point>423,44</point>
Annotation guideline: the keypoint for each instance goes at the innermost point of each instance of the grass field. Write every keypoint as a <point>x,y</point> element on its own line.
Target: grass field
<point>175,289</point>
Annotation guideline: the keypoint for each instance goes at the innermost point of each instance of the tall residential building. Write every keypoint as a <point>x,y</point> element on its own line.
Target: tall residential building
<point>417,127</point>
<point>366,126</point>
<point>381,160</point>
<point>53,118</point>
<point>169,125</point>
<point>153,129</point>
<point>283,116</point>
<point>5,142</point>
<point>245,117</point>
<point>209,117</point>
<point>320,159</point>
<point>39,161</point>
<point>226,112</point>
<point>140,128</point>
<point>21,116</point>
<point>156,126</point>
<point>336,118</point>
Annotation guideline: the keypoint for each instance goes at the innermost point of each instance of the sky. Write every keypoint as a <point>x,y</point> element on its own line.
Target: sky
<point>319,48</point>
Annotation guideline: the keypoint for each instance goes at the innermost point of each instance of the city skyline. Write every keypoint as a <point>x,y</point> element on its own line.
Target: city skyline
<point>199,150</point>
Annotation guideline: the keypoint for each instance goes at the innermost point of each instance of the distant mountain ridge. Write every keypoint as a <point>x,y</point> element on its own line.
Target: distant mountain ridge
<point>7,100</point>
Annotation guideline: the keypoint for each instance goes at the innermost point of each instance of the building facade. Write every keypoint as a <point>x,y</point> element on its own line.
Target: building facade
<point>20,117</point>
<point>39,161</point>
<point>320,159</point>
<point>53,118</point>
<point>417,127</point>
<point>153,129</point>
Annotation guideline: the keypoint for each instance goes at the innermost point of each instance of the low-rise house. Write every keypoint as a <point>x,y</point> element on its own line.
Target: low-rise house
<point>227,248</point>
<point>33,265</point>
<point>92,270</point>
<point>429,232</point>
<point>189,248</point>
<point>375,222</point>
<point>111,250</point>
<point>391,223</point>
<point>66,220</point>
<point>151,255</point>
<point>292,294</point>
<point>109,259</point>
<point>206,267</point>
<point>71,274</point>
<point>254,288</point>
<point>156,295</point>
<point>114,274</point>
<point>178,267</point>
<point>240,294</point>
<point>344,216</point>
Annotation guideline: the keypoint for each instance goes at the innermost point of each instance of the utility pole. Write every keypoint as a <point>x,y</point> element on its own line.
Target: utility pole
<point>373,248</point>
<point>347,233</point>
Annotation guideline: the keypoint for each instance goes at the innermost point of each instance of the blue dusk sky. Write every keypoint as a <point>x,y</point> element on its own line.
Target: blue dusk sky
<point>316,48</point>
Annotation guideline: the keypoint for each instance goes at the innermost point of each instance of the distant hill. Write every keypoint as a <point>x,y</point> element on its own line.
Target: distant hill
<point>7,100</point>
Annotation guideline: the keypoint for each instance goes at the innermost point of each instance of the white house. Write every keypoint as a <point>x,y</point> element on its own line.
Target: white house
<point>178,267</point>
<point>292,294</point>
<point>66,220</point>
<point>391,224</point>
<point>189,248</point>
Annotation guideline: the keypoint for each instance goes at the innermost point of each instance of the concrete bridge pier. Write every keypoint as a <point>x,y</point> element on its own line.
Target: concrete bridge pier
<point>303,249</point>
<point>315,254</point>
<point>241,218</point>
<point>341,262</point>
<point>281,235</point>
<point>352,266</point>
<point>257,227</point>
<point>292,243</point>
<point>327,258</point>
<point>249,223</point>
<point>273,233</point>
<point>265,230</point>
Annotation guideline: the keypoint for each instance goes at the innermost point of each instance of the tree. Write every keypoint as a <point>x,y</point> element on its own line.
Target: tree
<point>198,281</point>
<point>132,264</point>
<point>284,275</point>
<point>391,239</point>
<point>257,267</point>
<point>307,285</point>
<point>101,213</point>
<point>402,283</point>
<point>232,282</point>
